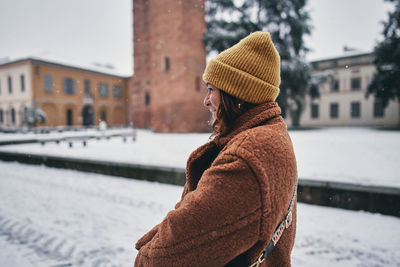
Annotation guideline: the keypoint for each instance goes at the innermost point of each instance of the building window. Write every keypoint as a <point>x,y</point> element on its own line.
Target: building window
<point>13,115</point>
<point>315,65</point>
<point>117,91</point>
<point>69,86</point>
<point>25,114</point>
<point>37,70</point>
<point>147,99</point>
<point>86,85</point>
<point>334,85</point>
<point>356,60</point>
<point>355,83</point>
<point>379,111</point>
<point>48,83</point>
<point>198,82</point>
<point>22,83</point>
<point>9,84</point>
<point>103,115</point>
<point>334,110</point>
<point>355,111</point>
<point>103,90</point>
<point>314,111</point>
<point>1,116</point>
<point>70,119</point>
<point>166,64</point>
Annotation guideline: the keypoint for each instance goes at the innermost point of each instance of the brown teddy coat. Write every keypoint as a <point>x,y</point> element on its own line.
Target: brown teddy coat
<point>238,189</point>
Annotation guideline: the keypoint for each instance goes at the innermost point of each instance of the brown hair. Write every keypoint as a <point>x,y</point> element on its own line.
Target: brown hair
<point>230,108</point>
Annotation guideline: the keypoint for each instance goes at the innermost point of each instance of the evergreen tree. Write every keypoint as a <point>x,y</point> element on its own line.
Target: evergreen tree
<point>385,84</point>
<point>287,21</point>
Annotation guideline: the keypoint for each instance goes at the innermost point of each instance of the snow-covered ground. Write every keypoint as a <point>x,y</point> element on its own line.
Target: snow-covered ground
<point>54,217</point>
<point>354,155</point>
<point>61,133</point>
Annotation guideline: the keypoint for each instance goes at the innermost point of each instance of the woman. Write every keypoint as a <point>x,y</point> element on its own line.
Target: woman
<point>240,185</point>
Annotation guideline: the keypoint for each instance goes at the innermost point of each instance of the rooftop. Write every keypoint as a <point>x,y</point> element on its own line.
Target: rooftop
<point>95,67</point>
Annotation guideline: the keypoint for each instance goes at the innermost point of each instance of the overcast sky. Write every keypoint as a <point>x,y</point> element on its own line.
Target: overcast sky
<point>100,31</point>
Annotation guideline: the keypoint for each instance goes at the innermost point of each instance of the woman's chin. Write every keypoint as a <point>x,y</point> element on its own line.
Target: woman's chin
<point>212,118</point>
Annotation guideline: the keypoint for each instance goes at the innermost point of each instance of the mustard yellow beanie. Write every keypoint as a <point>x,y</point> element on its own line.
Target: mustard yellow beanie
<point>249,70</point>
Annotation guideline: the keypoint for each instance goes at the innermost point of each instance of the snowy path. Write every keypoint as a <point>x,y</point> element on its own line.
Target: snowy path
<point>65,217</point>
<point>53,217</point>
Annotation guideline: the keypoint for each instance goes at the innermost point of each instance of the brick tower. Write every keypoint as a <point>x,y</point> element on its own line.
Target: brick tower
<point>169,59</point>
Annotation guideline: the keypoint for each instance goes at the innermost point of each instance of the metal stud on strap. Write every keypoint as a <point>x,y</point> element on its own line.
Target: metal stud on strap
<point>258,262</point>
<point>288,219</point>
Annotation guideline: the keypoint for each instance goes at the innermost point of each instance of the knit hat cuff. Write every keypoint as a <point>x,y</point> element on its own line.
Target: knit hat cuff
<point>229,80</point>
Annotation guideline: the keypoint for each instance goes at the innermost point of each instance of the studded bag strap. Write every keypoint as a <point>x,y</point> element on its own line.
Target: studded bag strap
<point>286,222</point>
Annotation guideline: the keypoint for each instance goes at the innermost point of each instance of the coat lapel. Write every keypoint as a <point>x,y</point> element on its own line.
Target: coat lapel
<point>198,162</point>
<point>202,157</point>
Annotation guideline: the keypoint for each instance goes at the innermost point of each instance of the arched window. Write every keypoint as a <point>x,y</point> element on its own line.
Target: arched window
<point>70,120</point>
<point>24,115</point>
<point>103,115</point>
<point>88,115</point>
<point>12,115</point>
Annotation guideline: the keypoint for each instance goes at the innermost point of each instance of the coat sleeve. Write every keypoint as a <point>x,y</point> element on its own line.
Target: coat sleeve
<point>150,234</point>
<point>147,237</point>
<point>213,224</point>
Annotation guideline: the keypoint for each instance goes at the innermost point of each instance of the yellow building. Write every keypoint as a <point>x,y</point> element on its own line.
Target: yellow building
<point>68,95</point>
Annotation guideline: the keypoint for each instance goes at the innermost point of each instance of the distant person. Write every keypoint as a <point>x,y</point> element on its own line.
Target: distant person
<point>240,186</point>
<point>102,126</point>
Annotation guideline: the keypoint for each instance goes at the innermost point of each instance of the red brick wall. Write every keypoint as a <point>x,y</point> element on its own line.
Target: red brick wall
<point>173,29</point>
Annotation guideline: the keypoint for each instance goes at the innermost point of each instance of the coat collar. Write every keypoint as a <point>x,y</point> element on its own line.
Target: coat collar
<point>252,118</point>
<point>202,157</point>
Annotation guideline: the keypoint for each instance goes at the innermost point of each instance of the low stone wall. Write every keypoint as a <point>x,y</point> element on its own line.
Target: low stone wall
<point>384,200</point>
<point>136,171</point>
<point>17,142</point>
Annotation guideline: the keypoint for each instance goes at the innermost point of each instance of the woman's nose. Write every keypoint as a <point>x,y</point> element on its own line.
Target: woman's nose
<point>206,101</point>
